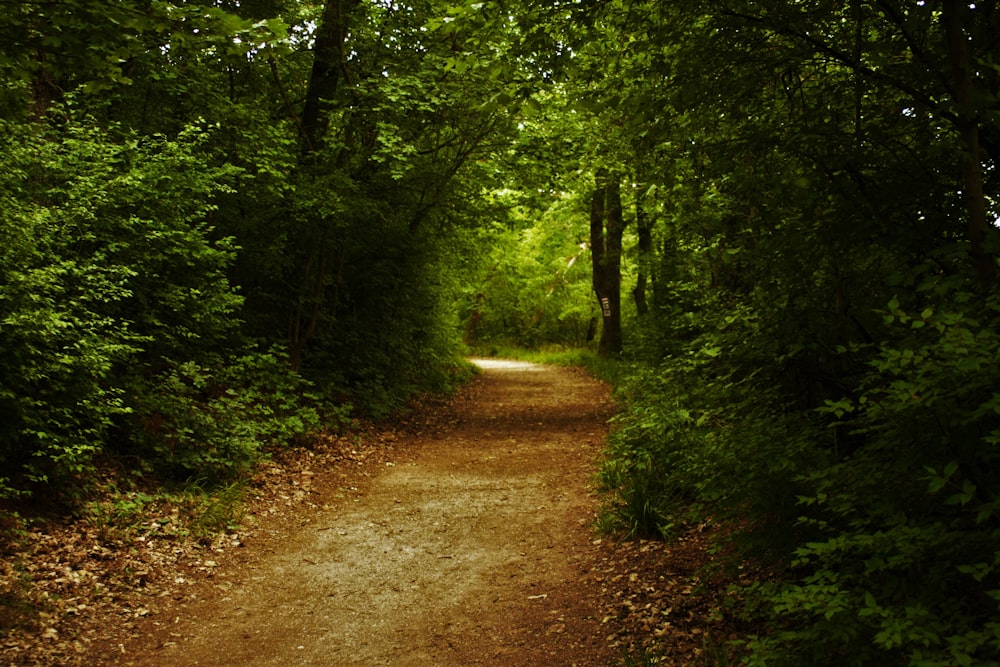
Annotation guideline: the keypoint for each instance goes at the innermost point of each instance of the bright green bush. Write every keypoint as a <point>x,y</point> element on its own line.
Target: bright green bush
<point>110,273</point>
<point>60,340</point>
<point>212,424</point>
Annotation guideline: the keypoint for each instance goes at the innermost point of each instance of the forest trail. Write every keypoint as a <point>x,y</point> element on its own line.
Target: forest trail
<point>471,545</point>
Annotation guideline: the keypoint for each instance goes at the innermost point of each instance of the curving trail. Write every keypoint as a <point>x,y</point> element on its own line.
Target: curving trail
<point>471,546</point>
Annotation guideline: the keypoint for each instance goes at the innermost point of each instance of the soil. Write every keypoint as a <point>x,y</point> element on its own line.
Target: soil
<point>464,536</point>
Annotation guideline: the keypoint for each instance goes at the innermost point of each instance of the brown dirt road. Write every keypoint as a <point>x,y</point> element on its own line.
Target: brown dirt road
<point>470,545</point>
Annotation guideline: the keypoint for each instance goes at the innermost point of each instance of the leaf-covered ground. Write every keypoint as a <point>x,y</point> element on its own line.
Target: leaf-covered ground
<point>461,535</point>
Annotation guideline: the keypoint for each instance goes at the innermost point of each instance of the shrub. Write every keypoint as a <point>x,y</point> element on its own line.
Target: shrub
<point>212,424</point>
<point>108,270</point>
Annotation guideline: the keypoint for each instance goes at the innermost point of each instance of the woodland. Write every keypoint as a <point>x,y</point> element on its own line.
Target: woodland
<point>227,225</point>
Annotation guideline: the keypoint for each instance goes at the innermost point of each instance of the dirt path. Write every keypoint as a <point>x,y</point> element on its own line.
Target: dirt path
<point>471,546</point>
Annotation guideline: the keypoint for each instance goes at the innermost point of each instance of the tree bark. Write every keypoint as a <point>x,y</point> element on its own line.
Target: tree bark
<point>606,228</point>
<point>644,224</point>
<point>300,334</point>
<point>968,125</point>
<point>327,69</point>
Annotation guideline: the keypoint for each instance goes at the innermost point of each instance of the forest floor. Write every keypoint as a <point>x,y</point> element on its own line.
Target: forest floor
<point>463,535</point>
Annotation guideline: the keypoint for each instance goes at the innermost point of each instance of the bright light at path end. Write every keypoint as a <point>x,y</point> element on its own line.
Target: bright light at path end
<point>506,365</point>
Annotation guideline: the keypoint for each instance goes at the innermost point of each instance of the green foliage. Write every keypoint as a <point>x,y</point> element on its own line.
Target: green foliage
<point>534,289</point>
<point>196,422</point>
<point>118,320</point>
<point>195,510</point>
<point>819,365</point>
<point>90,283</point>
<point>395,333</point>
<point>907,547</point>
<point>215,510</point>
<point>648,461</point>
<point>166,217</point>
<point>118,514</point>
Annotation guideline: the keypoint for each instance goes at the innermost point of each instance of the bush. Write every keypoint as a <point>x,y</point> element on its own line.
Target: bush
<point>535,287</point>
<point>904,567</point>
<point>875,515</point>
<point>212,424</point>
<point>108,271</point>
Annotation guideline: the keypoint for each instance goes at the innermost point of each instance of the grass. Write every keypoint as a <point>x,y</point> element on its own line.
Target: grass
<point>198,509</point>
<point>210,510</point>
<point>639,657</point>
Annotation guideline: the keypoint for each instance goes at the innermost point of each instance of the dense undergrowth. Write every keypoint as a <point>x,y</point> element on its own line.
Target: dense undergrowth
<point>861,530</point>
<point>870,516</point>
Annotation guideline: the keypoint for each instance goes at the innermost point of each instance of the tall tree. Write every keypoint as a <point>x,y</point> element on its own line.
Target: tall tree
<point>645,222</point>
<point>329,69</point>
<point>607,225</point>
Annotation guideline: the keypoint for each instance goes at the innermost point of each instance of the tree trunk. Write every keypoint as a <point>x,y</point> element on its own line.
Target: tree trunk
<point>968,125</point>
<point>606,228</point>
<point>327,67</point>
<point>304,326</point>
<point>644,224</point>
